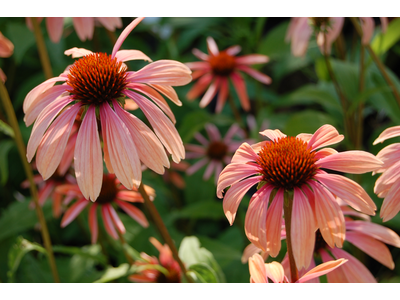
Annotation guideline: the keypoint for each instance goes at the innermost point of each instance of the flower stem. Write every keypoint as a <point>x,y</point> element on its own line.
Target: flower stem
<point>287,210</point>
<point>235,111</point>
<point>21,149</point>
<point>377,61</point>
<point>162,229</point>
<point>123,243</point>
<point>44,57</point>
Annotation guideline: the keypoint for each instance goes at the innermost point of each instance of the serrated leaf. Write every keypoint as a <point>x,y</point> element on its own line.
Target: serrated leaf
<point>114,273</point>
<point>5,147</point>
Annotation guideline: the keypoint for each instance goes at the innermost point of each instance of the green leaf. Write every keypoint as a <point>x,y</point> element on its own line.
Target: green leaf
<point>17,252</point>
<point>6,129</point>
<point>384,41</point>
<point>87,252</point>
<point>5,147</point>
<point>274,44</point>
<point>191,254</point>
<point>114,273</point>
<point>22,38</point>
<point>200,210</point>
<point>192,123</point>
<point>202,273</point>
<point>347,76</point>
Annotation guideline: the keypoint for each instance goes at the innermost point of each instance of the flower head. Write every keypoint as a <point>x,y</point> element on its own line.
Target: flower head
<point>96,86</point>
<point>170,270</point>
<point>219,66</point>
<point>112,193</point>
<point>6,50</point>
<point>292,165</point>
<point>216,151</point>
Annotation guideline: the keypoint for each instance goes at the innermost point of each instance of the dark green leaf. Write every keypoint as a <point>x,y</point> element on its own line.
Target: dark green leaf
<point>5,147</point>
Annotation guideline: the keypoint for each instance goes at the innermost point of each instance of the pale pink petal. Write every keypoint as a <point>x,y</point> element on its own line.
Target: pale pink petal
<point>198,65</point>
<point>256,217</point>
<point>324,136</point>
<point>94,230</point>
<point>305,137</point>
<point>134,213</point>
<point>252,59</point>
<point>55,28</point>
<point>257,270</point>
<point>347,211</point>
<point>195,149</point>
<point>107,159</point>
<point>84,27</point>
<point>384,23</point>
<point>273,225</point>
<point>372,247</point>
<point>324,153</point>
<point>329,216</point>
<point>150,150</point>
<point>232,174</point>
<point>292,26</point>
<point>164,72</point>
<point>212,46</point>
<point>255,74</point>
<point>249,251</point>
<point>213,132</point>
<point>199,87</point>
<point>355,271</point>
<point>110,23</point>
<point>300,36</point>
<point>116,220</point>
<point>211,91</point>
<point>355,162</point>
<point>387,134</point>
<point>197,166</point>
<point>3,76</point>
<point>130,196</point>
<point>200,54</point>
<point>349,191</point>
<point>202,140</point>
<point>124,34</point>
<point>45,192</point>
<point>233,50</point>
<point>332,34</point>
<point>302,230</point>
<point>240,88</point>
<point>127,55</point>
<point>390,155</point>
<point>222,95</point>
<point>322,269</point>
<point>367,26</point>
<point>87,158</point>
<point>108,222</point>
<point>234,196</point>
<point>6,47</point>
<point>376,231</point>
<point>275,272</point>
<point>336,276</point>
<point>273,135</point>
<point>232,131</point>
<point>77,52</point>
<point>121,148</point>
<point>52,145</point>
<point>244,153</point>
<point>73,212</point>
<point>169,92</point>
<point>68,156</point>
<point>209,170</point>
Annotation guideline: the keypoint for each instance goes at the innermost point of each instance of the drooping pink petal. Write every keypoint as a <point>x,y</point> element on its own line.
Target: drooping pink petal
<point>57,200</point>
<point>52,146</point>
<point>241,90</point>
<point>324,136</point>
<point>302,230</point>
<point>387,179</point>
<point>116,220</point>
<point>256,217</point>
<point>234,196</point>
<point>130,196</point>
<point>232,131</point>
<point>387,134</point>
<point>244,153</point>
<point>249,251</point>
<point>376,231</point>
<point>255,74</point>
<point>332,34</point>
<point>108,222</point>
<point>124,34</point>
<point>197,166</point>
<point>347,211</point>
<point>94,230</point>
<point>355,162</point>
<point>322,269</point>
<point>292,25</point>
<point>199,87</point>
<point>222,95</point>
<point>349,191</point>
<point>300,36</point>
<point>6,47</point>
<point>257,270</point>
<point>169,92</point>
<point>211,91</point>
<point>252,59</point>
<point>45,192</point>
<point>212,46</point>
<point>68,156</point>
<point>324,153</point>
<point>202,140</point>
<point>150,150</point>
<point>209,170</point>
<point>367,26</point>
<point>273,134</point>
<point>273,225</point>
<point>389,155</point>
<point>134,213</point>
<point>121,148</point>
<point>73,212</point>
<point>127,55</point>
<point>384,23</point>
<point>329,216</point>
<point>110,23</point>
<point>77,52</point>
<point>55,28</point>
<point>372,247</point>
<point>87,158</point>
<point>213,132</point>
<point>275,272</point>
<point>233,173</point>
<point>107,158</point>
<point>84,27</point>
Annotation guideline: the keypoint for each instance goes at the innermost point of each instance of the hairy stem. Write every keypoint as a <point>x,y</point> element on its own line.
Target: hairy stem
<point>44,57</point>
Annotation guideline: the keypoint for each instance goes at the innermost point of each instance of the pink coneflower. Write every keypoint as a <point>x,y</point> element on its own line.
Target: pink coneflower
<point>216,152</point>
<point>171,271</point>
<point>97,85</point>
<point>291,165</point>
<point>6,50</point>
<point>260,272</point>
<point>388,184</point>
<point>217,67</point>
<point>112,192</point>
<point>84,26</point>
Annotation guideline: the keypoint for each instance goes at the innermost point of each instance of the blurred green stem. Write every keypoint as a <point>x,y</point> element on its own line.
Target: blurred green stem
<point>123,243</point>
<point>377,61</point>
<point>9,109</point>
<point>235,111</point>
<point>162,229</point>
<point>44,57</point>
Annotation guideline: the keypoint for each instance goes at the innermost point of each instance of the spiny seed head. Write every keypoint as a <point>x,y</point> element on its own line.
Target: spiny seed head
<point>96,78</point>
<point>217,150</point>
<point>222,64</point>
<point>287,163</point>
<point>108,191</point>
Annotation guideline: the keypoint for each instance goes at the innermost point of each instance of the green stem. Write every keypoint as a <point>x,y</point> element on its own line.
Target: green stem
<point>44,57</point>
<point>123,243</point>
<point>377,61</point>
<point>235,111</point>
<point>162,229</point>
<point>287,210</point>
<point>21,149</point>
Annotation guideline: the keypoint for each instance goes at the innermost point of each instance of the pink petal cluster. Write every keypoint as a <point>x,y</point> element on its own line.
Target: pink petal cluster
<point>84,26</point>
<point>314,202</point>
<point>217,67</point>
<point>126,139</point>
<point>6,50</point>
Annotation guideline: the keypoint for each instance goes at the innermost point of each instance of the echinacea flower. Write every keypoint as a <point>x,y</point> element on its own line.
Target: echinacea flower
<point>387,186</point>
<point>260,272</point>
<point>112,193</point>
<point>84,26</point>
<point>6,50</point>
<point>292,165</point>
<point>96,84</point>
<point>171,272</point>
<point>216,152</point>
<point>217,67</point>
